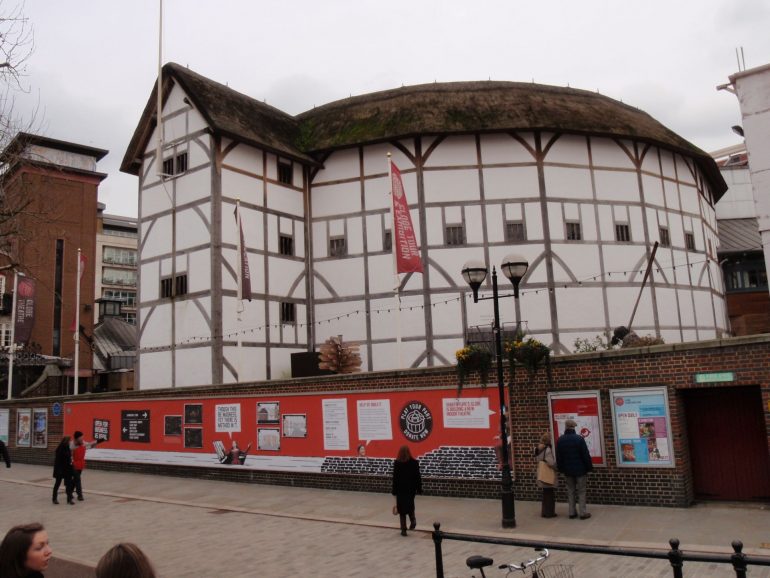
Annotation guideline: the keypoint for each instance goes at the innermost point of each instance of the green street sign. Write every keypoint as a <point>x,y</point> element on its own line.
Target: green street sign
<point>715,377</point>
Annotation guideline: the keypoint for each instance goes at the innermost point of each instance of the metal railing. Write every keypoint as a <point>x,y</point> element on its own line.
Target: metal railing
<point>676,557</point>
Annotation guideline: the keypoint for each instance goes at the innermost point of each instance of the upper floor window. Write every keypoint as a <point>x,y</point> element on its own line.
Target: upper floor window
<point>119,277</point>
<point>454,235</point>
<point>387,241</point>
<point>573,231</point>
<point>337,247</point>
<point>120,232</point>
<point>746,275</point>
<point>119,256</point>
<point>288,313</point>
<point>286,244</point>
<point>689,241</point>
<point>514,231</point>
<point>173,286</point>
<point>622,232</point>
<point>285,172</point>
<point>127,297</point>
<point>175,165</point>
<point>665,240</point>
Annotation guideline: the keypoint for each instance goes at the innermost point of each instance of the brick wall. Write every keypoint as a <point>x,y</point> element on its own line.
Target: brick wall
<point>672,366</point>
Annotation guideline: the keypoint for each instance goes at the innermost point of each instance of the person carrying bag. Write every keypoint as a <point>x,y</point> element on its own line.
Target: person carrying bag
<point>546,475</point>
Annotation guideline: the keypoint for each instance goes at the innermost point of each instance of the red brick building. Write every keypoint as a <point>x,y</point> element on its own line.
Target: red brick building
<point>51,188</point>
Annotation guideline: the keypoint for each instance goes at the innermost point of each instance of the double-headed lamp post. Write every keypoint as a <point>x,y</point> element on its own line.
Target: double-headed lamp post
<point>474,272</point>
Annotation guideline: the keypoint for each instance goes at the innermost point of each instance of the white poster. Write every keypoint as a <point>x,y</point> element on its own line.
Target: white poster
<point>335,414</point>
<point>467,413</point>
<point>374,420</point>
<point>4,416</point>
<point>228,417</point>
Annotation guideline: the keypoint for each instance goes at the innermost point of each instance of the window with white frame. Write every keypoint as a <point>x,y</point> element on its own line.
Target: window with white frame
<point>119,277</point>
<point>622,232</point>
<point>573,231</point>
<point>454,235</point>
<point>338,247</point>
<point>127,297</point>
<point>665,239</point>
<point>119,256</point>
<point>689,241</point>
<point>175,165</point>
<point>288,313</point>
<point>514,231</point>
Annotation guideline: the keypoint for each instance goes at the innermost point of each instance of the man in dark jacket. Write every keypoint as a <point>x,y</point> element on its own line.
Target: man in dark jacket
<point>574,461</point>
<point>4,454</point>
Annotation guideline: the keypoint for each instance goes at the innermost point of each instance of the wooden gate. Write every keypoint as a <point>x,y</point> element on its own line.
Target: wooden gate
<point>728,443</point>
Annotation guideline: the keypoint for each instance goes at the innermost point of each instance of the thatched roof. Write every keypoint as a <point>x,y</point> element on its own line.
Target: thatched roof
<point>427,109</point>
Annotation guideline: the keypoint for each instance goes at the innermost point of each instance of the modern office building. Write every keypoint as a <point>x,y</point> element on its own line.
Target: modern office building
<point>116,241</point>
<point>580,185</point>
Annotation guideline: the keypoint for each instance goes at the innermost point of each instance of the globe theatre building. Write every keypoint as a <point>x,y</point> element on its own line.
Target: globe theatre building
<point>579,184</point>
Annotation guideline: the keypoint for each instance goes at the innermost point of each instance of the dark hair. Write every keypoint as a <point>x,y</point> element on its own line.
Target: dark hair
<point>77,434</point>
<point>124,560</point>
<point>65,440</point>
<point>14,549</point>
<point>404,454</point>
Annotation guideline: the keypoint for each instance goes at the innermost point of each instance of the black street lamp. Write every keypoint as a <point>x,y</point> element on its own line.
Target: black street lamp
<point>474,272</point>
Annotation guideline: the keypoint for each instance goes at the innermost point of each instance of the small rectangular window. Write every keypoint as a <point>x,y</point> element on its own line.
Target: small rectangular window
<point>573,231</point>
<point>181,285</point>
<point>288,313</point>
<point>689,241</point>
<point>387,241</point>
<point>168,167</point>
<point>286,245</point>
<point>665,240</point>
<point>622,232</point>
<point>285,172</point>
<point>166,288</point>
<point>337,247</point>
<point>455,235</point>
<point>181,163</point>
<point>514,232</point>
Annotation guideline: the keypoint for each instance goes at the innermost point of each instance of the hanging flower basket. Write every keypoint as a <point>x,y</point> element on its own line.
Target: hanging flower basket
<point>530,353</point>
<point>473,358</point>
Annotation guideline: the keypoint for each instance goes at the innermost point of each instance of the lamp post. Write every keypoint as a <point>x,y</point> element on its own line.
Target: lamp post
<point>474,272</point>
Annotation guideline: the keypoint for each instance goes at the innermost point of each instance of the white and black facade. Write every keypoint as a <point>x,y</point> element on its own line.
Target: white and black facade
<point>579,184</point>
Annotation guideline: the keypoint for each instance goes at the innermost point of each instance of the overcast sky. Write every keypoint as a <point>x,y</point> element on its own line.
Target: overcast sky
<point>95,61</point>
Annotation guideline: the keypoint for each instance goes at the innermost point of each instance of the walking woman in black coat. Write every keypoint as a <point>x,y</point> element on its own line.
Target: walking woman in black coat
<point>406,483</point>
<point>62,470</point>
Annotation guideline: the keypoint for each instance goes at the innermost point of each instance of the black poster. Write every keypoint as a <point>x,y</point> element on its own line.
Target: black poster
<point>135,425</point>
<point>102,430</point>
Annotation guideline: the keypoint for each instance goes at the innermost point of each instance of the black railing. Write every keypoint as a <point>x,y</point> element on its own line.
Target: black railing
<point>676,557</point>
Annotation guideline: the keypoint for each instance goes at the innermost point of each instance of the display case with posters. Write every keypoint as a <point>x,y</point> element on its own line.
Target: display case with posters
<point>40,427</point>
<point>4,419</point>
<point>586,409</point>
<point>642,427</point>
<point>24,428</point>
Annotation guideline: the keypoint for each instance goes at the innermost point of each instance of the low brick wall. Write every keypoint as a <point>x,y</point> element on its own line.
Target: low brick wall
<point>672,366</point>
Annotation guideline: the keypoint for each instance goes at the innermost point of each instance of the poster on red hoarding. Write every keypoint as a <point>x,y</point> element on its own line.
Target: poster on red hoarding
<point>586,409</point>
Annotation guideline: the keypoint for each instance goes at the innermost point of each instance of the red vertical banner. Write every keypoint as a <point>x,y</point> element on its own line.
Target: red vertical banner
<point>25,310</point>
<point>244,284</point>
<point>404,241</point>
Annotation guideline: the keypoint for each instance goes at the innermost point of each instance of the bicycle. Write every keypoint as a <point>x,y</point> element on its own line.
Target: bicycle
<point>552,571</point>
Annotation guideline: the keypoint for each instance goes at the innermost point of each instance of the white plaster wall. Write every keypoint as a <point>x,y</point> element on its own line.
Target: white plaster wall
<point>252,326</point>
<point>239,186</point>
<point>607,153</point>
<point>346,276</point>
<point>572,183</point>
<point>253,367</point>
<point>738,201</point>
<point>377,194</point>
<point>376,160</point>
<point>590,312</point>
<point>343,164</point>
<point>157,326</point>
<point>193,366</point>
<point>453,151</point>
<point>569,149</point>
<point>156,240</point>
<point>503,148</point>
<point>653,191</point>
<point>155,370</point>
<point>191,229</point>
<point>243,156</point>
<point>285,200</point>
<point>616,186</point>
<point>155,199</point>
<point>690,199</point>
<point>450,185</point>
<point>341,198</point>
<point>510,183</point>
<point>385,355</point>
<point>283,273</point>
<point>191,186</point>
<point>352,328</point>
<point>191,322</point>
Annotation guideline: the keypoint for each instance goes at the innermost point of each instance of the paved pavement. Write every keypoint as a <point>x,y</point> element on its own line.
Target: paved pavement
<point>192,527</point>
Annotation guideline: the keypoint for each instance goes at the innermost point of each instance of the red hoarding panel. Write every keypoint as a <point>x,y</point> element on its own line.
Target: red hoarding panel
<point>585,409</point>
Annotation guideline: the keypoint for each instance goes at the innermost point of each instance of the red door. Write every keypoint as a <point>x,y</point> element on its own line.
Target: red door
<point>728,443</point>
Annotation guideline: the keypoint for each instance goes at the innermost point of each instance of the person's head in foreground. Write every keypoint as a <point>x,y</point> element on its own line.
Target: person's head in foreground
<point>25,551</point>
<point>124,561</point>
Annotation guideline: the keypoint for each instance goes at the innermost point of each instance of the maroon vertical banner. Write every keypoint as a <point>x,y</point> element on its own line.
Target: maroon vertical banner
<point>25,310</point>
<point>244,287</point>
<point>404,241</point>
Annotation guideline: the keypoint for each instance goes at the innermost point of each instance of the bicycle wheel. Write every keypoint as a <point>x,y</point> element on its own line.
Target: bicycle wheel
<point>556,571</point>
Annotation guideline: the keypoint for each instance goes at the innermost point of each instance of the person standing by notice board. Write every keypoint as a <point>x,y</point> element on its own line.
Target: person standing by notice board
<point>79,447</point>
<point>4,454</point>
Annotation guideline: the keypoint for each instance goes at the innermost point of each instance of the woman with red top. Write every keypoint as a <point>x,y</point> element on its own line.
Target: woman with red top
<point>79,447</point>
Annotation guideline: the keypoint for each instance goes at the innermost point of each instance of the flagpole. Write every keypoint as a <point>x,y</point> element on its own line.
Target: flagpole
<point>76,335</point>
<point>159,115</point>
<point>397,280</point>
<point>12,348</point>
<point>239,281</point>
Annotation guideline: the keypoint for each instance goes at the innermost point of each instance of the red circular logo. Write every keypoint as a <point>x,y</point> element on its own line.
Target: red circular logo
<point>619,401</point>
<point>25,289</point>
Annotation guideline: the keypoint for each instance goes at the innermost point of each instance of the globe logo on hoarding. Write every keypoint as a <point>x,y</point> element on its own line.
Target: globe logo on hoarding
<point>416,421</point>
